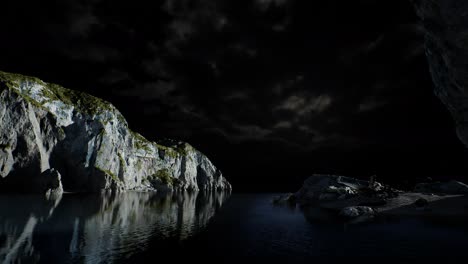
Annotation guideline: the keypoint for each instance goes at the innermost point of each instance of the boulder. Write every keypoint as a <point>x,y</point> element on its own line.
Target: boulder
<point>51,184</point>
<point>87,139</point>
<point>329,187</point>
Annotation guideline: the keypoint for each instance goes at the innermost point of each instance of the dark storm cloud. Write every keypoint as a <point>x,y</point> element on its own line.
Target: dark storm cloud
<point>268,89</point>
<point>155,90</point>
<point>83,23</point>
<point>92,53</point>
<point>371,104</point>
<point>265,4</point>
<point>189,18</point>
<point>113,76</point>
<point>304,105</point>
<point>273,70</point>
<point>222,61</point>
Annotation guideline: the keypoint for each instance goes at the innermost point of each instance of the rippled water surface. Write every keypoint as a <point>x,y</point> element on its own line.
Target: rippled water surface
<point>98,228</point>
<point>145,227</point>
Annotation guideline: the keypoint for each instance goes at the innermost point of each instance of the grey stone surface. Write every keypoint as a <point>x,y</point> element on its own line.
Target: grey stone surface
<point>88,141</point>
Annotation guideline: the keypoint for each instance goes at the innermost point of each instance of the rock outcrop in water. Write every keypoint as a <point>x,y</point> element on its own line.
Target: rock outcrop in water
<point>359,200</point>
<point>446,45</point>
<point>330,187</point>
<point>446,41</point>
<point>51,137</point>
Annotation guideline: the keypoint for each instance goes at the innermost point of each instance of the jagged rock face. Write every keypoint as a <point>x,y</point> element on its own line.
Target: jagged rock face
<point>87,140</point>
<point>446,25</point>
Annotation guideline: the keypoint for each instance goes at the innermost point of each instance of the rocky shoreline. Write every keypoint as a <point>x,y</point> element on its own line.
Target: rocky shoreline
<point>355,200</point>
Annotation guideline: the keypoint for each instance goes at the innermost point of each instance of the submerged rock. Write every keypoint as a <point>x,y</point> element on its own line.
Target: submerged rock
<point>88,141</point>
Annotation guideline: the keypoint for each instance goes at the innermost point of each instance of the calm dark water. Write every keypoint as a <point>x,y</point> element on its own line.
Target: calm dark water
<point>145,227</point>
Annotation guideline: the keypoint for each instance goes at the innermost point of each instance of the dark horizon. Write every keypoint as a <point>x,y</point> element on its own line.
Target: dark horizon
<point>272,91</point>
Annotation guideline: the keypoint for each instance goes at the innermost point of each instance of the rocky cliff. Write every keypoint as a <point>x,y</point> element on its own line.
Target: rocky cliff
<point>53,138</point>
<point>446,25</point>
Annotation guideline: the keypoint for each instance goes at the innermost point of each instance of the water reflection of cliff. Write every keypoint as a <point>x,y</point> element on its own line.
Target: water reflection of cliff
<point>98,228</point>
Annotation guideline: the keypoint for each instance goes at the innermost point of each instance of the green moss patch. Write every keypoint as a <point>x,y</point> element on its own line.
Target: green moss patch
<point>170,152</point>
<point>138,164</point>
<point>83,102</point>
<point>165,176</point>
<point>174,148</point>
<point>121,160</point>
<point>12,79</point>
<point>25,97</point>
<point>183,148</point>
<point>171,148</point>
<point>140,141</point>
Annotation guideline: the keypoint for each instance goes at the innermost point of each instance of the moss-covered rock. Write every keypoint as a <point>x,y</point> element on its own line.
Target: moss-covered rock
<point>88,140</point>
<point>164,176</point>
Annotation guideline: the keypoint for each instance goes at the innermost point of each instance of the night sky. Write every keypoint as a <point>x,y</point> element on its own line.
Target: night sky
<point>271,90</point>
